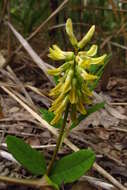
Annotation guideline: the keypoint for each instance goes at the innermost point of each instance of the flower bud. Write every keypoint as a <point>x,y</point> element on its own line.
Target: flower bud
<point>87,37</point>
<point>85,90</point>
<point>69,30</point>
<point>59,99</point>
<point>55,72</point>
<point>57,102</point>
<point>90,53</point>
<point>80,107</point>
<point>67,84</point>
<point>73,95</point>
<point>56,89</point>
<point>62,106</point>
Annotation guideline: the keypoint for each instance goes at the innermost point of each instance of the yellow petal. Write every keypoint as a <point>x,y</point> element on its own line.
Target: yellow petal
<point>57,103</point>
<point>59,99</point>
<point>87,37</point>
<point>80,107</point>
<point>68,55</point>
<point>56,55</point>
<point>56,119</point>
<point>62,106</point>
<point>87,76</point>
<point>92,51</point>
<point>98,60</point>
<point>67,83</point>
<point>54,72</point>
<point>57,48</point>
<point>69,30</point>
<point>72,94</point>
<point>85,64</point>
<point>56,89</point>
<point>85,90</point>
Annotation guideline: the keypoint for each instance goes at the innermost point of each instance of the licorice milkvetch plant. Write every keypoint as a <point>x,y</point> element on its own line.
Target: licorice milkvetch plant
<point>71,95</point>
<point>74,75</point>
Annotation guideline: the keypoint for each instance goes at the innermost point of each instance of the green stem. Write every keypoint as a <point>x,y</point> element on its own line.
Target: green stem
<point>59,140</point>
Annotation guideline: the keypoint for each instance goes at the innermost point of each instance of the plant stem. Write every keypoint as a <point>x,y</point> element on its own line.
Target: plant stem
<point>59,140</point>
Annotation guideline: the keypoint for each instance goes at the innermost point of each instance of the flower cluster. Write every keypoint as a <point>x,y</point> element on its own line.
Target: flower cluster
<point>74,74</point>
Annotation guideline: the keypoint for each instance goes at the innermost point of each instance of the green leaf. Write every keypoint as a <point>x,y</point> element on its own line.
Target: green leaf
<point>28,157</point>
<point>91,110</point>
<point>56,78</point>
<point>48,116</point>
<point>72,167</point>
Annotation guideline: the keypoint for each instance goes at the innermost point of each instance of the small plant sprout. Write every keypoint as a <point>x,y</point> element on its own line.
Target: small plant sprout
<point>74,75</point>
<point>71,95</point>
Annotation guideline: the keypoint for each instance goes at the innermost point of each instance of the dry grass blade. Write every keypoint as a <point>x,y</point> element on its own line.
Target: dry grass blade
<point>118,103</point>
<point>115,44</point>
<point>38,91</point>
<point>20,85</point>
<point>2,60</point>
<point>66,141</point>
<point>31,52</point>
<point>98,183</point>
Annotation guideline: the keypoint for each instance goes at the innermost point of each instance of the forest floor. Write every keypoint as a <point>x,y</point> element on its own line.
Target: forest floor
<point>104,131</point>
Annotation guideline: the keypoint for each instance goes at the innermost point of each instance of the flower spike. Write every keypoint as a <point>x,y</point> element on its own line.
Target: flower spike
<point>74,75</point>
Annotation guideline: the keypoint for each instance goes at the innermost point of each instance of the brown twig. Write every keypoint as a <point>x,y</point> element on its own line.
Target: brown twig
<point>114,9</point>
<point>9,31</point>
<point>3,10</point>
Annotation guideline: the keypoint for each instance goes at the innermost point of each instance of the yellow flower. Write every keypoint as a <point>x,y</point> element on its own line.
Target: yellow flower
<point>74,75</point>
<point>56,54</point>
